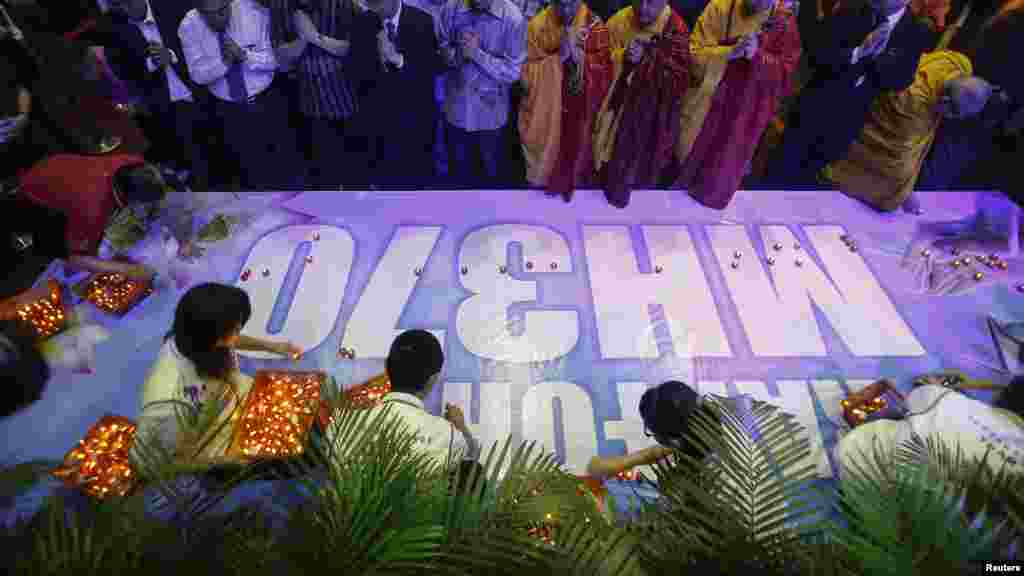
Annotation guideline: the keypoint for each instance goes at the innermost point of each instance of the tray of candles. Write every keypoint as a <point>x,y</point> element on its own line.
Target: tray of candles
<point>113,293</point>
<point>42,310</point>
<point>99,465</point>
<point>277,414</point>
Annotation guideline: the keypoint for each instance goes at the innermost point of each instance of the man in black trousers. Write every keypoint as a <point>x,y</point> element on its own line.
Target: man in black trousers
<point>142,47</point>
<point>395,60</point>
<point>855,54</point>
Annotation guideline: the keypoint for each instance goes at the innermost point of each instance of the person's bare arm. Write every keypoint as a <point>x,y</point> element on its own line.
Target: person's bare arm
<point>94,264</point>
<point>333,46</point>
<point>980,385</point>
<point>260,345</point>
<point>604,467</point>
<point>308,32</point>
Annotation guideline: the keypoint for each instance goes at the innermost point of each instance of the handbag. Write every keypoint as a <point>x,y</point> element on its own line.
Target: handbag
<point>879,401</point>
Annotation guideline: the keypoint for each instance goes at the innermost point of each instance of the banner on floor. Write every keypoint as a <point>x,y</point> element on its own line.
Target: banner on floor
<point>554,326</point>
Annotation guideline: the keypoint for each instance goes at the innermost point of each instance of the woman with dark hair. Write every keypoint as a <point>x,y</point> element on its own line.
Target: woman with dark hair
<point>23,370</point>
<point>667,411</point>
<point>197,368</point>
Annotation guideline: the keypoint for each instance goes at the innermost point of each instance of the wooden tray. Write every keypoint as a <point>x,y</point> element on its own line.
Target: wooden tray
<point>113,293</point>
<point>42,309</point>
<point>277,415</point>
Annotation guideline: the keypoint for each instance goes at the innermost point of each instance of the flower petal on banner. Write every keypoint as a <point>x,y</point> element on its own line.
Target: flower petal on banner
<point>52,352</point>
<point>75,348</point>
<point>182,279</point>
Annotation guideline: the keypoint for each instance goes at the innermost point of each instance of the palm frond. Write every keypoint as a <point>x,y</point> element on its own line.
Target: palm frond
<point>82,537</point>
<point>18,478</point>
<point>752,499</point>
<point>989,490</point>
<point>372,510</point>
<point>901,518</point>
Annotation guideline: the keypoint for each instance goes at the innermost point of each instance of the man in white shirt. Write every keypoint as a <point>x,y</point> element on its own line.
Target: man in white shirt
<point>414,368</point>
<point>142,48</point>
<point>227,48</point>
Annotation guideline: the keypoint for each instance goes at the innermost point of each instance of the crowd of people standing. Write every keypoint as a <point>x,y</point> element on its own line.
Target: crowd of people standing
<point>875,97</point>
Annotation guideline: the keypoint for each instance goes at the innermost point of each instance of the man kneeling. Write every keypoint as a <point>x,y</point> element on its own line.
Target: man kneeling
<point>66,201</point>
<point>414,368</point>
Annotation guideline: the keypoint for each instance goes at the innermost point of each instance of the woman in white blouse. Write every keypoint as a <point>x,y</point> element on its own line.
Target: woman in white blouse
<point>197,374</point>
<point>944,413</point>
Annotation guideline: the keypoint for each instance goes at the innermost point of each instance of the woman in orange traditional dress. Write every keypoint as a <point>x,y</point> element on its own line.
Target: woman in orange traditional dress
<point>567,73</point>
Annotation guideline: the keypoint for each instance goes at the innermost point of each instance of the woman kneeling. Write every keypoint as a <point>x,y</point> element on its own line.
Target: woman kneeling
<point>195,391</point>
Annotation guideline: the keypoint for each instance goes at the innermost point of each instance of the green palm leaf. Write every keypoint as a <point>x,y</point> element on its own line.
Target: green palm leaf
<point>748,505</point>
<point>371,504</point>
<point>988,491</point>
<point>19,478</point>
<point>901,518</point>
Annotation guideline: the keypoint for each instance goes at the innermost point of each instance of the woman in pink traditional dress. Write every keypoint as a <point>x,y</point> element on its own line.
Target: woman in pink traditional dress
<point>745,53</point>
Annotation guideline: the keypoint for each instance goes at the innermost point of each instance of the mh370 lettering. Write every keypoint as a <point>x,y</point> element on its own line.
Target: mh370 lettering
<point>514,293</point>
<point>769,299</point>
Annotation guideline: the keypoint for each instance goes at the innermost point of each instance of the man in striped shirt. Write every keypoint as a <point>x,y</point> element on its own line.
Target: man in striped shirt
<point>313,37</point>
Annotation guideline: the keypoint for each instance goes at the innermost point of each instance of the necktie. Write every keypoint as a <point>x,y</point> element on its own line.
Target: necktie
<point>392,33</point>
<point>236,82</point>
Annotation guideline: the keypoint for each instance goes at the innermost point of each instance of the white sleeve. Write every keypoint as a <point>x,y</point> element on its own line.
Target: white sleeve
<point>162,381</point>
<point>464,444</point>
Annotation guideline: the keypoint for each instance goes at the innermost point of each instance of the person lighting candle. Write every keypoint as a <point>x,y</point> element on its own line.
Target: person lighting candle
<point>197,373</point>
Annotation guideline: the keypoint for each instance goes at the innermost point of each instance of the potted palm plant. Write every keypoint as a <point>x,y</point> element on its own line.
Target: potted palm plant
<point>368,503</point>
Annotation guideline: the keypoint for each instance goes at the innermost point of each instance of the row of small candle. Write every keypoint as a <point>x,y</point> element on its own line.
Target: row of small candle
<point>115,293</point>
<point>46,316</point>
<point>861,412</point>
<point>99,465</point>
<point>992,261</point>
<point>370,393</point>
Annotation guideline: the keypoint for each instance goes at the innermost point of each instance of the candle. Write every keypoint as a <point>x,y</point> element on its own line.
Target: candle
<point>114,293</point>
<point>99,465</point>
<point>278,413</point>
<point>45,316</point>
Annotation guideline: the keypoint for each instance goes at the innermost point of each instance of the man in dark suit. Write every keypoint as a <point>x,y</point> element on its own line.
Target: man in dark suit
<point>143,48</point>
<point>855,54</point>
<point>395,59</point>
